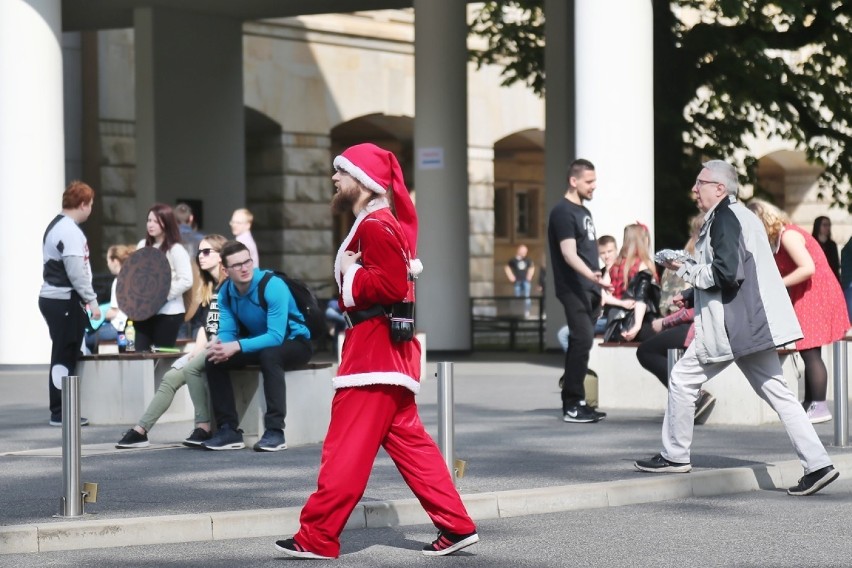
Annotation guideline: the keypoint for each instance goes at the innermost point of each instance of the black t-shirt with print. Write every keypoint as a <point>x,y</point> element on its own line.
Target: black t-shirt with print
<point>520,267</point>
<point>571,221</point>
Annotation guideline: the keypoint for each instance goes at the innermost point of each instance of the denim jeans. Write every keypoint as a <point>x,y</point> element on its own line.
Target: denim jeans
<point>522,290</point>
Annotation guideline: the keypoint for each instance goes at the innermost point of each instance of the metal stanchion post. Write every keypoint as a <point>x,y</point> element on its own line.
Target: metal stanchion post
<point>841,395</point>
<point>71,503</point>
<point>446,428</point>
<point>673,355</point>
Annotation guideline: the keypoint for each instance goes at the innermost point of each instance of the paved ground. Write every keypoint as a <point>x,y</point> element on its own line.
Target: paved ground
<point>757,528</point>
<point>521,460</point>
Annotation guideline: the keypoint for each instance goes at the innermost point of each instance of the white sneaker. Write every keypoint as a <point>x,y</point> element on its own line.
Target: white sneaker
<point>818,412</point>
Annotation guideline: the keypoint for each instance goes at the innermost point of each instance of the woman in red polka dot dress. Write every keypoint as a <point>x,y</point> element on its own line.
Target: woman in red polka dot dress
<point>816,295</point>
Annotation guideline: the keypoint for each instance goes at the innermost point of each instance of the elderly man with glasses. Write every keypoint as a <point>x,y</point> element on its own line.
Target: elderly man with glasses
<point>742,314</point>
<point>268,332</point>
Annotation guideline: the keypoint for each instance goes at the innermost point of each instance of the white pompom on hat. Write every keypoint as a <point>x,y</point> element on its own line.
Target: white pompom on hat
<point>378,169</point>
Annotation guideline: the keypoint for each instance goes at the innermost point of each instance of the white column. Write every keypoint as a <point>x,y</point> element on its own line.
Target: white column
<point>441,160</point>
<point>32,167</point>
<point>615,110</point>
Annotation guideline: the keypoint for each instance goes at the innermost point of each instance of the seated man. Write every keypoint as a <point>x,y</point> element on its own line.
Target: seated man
<point>268,333</point>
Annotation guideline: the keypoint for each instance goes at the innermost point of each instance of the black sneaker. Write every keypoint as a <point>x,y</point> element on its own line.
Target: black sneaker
<point>448,542</point>
<point>599,414</point>
<point>54,421</point>
<point>226,438</point>
<point>703,406</point>
<point>659,464</point>
<point>271,441</point>
<point>292,548</point>
<point>133,439</point>
<point>195,439</point>
<point>580,413</point>
<point>814,481</point>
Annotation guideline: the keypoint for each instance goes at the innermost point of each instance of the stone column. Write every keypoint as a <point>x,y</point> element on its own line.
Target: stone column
<point>190,125</point>
<point>615,110</point>
<point>441,160</point>
<point>559,148</point>
<point>32,167</point>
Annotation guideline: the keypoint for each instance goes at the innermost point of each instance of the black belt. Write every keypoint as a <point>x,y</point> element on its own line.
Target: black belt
<point>355,317</point>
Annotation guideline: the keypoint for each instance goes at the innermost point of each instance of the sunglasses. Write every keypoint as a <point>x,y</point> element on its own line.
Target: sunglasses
<point>205,252</point>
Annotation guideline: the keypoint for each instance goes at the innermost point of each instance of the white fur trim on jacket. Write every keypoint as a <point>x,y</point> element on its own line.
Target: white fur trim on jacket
<point>373,205</point>
<point>359,174</point>
<point>377,378</point>
<point>415,267</point>
<point>348,281</point>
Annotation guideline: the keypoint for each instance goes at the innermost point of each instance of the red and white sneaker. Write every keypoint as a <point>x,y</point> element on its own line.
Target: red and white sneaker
<point>448,542</point>
<point>292,548</point>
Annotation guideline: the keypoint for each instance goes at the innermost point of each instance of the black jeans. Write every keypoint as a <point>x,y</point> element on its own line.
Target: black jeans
<point>581,312</point>
<point>160,330</point>
<point>273,362</point>
<point>66,322</point>
<point>653,352</point>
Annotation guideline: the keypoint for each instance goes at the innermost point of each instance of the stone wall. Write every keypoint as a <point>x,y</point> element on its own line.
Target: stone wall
<point>118,182</point>
<point>288,189</point>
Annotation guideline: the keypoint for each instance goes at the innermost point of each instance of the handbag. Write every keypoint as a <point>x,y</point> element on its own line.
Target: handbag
<point>618,320</point>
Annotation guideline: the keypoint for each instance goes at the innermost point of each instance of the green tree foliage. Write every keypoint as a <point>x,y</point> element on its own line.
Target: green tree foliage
<point>724,70</point>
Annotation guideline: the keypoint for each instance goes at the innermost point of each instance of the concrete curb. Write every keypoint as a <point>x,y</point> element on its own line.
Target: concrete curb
<point>106,533</point>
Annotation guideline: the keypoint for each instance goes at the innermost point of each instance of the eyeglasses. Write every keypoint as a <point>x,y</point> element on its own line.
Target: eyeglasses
<point>205,252</point>
<point>700,182</point>
<point>240,265</point>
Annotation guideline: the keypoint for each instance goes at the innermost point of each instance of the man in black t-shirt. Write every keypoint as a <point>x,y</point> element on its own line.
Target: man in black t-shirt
<point>520,270</point>
<point>577,279</point>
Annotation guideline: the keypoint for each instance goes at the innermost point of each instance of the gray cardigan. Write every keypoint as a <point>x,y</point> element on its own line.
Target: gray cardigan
<point>741,304</point>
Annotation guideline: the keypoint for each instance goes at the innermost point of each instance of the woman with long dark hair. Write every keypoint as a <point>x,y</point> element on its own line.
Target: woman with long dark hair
<point>822,233</point>
<point>163,233</point>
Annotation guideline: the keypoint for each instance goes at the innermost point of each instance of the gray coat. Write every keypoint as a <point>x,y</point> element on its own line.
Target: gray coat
<point>741,304</point>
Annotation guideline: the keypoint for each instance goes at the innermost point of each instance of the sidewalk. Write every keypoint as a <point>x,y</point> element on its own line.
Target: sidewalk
<point>521,459</point>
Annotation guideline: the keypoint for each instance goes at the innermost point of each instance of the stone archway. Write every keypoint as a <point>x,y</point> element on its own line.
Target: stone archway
<point>519,204</point>
<point>786,178</point>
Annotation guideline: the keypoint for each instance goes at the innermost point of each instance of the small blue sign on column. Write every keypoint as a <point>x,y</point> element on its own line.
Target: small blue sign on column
<point>430,158</point>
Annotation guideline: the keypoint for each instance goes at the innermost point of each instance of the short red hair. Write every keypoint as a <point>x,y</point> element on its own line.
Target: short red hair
<point>76,194</point>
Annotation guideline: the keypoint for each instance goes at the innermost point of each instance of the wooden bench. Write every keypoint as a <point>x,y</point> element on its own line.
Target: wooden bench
<point>309,394</point>
<point>623,384</point>
<point>111,347</point>
<point>116,388</point>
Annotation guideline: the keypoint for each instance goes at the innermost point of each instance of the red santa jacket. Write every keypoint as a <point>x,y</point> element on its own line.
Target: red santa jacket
<point>369,356</point>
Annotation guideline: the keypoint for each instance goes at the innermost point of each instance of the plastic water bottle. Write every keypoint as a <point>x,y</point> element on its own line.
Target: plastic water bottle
<point>130,334</point>
<point>122,341</point>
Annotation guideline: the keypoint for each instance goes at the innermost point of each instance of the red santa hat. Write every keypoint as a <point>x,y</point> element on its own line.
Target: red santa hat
<point>378,169</point>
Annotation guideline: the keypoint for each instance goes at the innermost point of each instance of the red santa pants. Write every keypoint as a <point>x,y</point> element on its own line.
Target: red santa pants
<point>362,419</point>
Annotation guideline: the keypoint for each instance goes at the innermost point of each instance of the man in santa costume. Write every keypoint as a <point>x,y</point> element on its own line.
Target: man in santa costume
<point>378,377</point>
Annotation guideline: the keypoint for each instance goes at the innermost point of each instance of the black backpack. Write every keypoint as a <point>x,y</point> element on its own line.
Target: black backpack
<point>312,316</point>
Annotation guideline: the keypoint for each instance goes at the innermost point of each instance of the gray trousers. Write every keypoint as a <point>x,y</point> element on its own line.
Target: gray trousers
<point>763,371</point>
